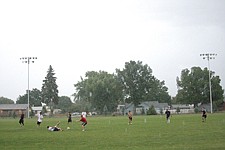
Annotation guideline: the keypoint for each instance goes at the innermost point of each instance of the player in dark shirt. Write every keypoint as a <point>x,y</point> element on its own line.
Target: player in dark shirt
<point>69,118</point>
<point>167,116</point>
<point>21,121</point>
<point>204,115</point>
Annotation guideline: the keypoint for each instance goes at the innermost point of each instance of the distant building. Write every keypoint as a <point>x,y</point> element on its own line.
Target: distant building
<point>183,108</point>
<point>143,107</point>
<point>36,110</point>
<point>207,107</point>
<point>8,110</point>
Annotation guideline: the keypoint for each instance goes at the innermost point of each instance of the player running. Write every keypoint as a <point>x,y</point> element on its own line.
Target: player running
<point>21,121</point>
<point>167,116</point>
<point>83,121</point>
<point>130,117</point>
<point>204,115</point>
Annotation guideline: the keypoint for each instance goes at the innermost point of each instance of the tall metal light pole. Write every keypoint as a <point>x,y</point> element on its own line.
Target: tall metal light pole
<point>209,56</point>
<point>28,60</point>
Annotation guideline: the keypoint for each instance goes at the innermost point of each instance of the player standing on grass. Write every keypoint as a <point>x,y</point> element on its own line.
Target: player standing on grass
<point>69,118</point>
<point>130,117</point>
<point>84,122</point>
<point>204,115</point>
<point>40,117</point>
<point>21,121</point>
<point>167,116</point>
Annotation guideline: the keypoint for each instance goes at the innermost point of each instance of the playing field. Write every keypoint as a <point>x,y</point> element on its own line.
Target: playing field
<point>185,132</point>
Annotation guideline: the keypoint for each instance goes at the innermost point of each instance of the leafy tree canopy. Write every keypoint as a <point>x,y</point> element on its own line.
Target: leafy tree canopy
<point>64,103</point>
<point>140,85</point>
<point>193,87</point>
<point>4,100</point>
<point>100,89</point>
<point>34,99</point>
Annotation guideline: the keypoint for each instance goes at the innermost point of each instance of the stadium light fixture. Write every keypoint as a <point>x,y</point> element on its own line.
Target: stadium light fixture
<point>28,60</point>
<point>209,56</point>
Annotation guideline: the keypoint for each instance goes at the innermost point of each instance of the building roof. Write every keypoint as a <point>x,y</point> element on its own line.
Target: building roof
<point>39,108</point>
<point>13,106</point>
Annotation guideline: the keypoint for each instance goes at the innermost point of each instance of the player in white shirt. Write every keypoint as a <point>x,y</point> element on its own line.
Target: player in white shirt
<point>55,128</point>
<point>40,117</point>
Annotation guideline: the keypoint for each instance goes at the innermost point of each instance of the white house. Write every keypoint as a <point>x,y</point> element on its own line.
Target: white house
<point>143,107</point>
<point>184,108</point>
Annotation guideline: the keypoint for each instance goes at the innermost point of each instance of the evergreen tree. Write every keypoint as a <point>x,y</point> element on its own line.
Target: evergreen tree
<point>49,89</point>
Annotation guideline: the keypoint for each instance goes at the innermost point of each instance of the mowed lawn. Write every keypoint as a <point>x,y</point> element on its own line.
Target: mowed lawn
<point>185,132</point>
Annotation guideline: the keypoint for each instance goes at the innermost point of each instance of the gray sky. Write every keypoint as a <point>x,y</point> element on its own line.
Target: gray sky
<point>79,36</point>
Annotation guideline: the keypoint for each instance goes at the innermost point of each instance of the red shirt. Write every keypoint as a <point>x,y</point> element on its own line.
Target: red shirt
<point>83,119</point>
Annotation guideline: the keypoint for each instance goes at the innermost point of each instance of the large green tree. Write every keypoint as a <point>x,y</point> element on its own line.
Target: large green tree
<point>34,99</point>
<point>140,85</point>
<point>64,104</point>
<point>4,100</point>
<point>50,88</point>
<point>100,89</point>
<point>193,87</point>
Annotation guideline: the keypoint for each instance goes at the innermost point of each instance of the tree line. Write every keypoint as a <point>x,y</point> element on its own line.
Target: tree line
<point>102,91</point>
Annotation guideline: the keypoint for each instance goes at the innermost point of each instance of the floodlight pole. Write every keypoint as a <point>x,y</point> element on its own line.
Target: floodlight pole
<point>209,56</point>
<point>28,60</point>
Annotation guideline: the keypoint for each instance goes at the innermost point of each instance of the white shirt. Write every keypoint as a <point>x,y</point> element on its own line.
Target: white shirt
<point>50,128</point>
<point>40,117</point>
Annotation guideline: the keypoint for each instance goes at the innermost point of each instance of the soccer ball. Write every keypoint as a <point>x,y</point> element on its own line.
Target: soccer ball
<point>68,128</point>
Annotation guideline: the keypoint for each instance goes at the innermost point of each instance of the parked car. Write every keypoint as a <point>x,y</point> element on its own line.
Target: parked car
<point>76,114</point>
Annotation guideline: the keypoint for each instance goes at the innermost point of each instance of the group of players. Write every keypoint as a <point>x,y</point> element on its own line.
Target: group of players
<point>204,115</point>
<point>83,120</point>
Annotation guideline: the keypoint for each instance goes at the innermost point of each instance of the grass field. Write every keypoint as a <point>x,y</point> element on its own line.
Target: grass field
<point>185,132</point>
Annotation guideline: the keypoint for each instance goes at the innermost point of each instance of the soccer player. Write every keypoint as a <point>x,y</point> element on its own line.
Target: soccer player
<point>130,117</point>
<point>204,115</point>
<point>69,118</point>
<point>55,128</point>
<point>167,116</point>
<point>21,121</point>
<point>40,117</point>
<point>83,121</point>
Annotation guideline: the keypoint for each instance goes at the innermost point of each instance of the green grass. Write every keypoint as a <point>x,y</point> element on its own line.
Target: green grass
<point>185,132</point>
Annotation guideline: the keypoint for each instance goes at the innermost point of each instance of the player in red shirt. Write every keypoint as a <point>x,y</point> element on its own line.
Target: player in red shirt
<point>84,122</point>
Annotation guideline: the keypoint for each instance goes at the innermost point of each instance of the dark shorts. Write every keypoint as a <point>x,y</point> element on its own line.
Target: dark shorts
<point>21,121</point>
<point>130,118</point>
<point>69,120</point>
<point>38,123</point>
<point>56,129</point>
<point>204,116</point>
<point>84,123</point>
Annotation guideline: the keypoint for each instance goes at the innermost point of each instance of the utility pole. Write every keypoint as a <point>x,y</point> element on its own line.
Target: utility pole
<point>28,60</point>
<point>209,56</point>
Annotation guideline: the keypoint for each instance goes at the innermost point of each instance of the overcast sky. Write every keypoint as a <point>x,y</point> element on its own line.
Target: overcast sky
<point>79,36</point>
